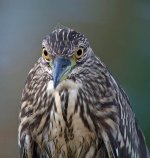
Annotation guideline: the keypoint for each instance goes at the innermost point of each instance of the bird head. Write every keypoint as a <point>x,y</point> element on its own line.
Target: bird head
<point>67,52</point>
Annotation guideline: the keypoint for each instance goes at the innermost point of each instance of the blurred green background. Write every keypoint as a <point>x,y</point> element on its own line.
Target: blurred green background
<point>119,32</point>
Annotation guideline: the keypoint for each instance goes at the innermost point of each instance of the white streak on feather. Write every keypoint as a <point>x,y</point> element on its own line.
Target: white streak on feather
<point>90,153</point>
<point>50,86</point>
<point>71,102</point>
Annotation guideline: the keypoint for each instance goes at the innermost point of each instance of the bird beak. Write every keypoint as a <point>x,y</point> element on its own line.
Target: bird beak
<point>61,67</point>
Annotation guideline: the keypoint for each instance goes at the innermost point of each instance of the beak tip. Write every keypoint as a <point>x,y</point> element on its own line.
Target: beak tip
<point>55,83</point>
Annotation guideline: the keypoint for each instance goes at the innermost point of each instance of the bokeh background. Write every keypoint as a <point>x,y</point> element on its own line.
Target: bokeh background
<point>119,32</point>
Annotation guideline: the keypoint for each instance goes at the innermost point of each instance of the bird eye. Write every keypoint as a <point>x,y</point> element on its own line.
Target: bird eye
<point>79,53</point>
<point>46,55</point>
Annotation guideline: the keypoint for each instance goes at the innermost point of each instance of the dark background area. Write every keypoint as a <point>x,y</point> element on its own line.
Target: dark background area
<point>119,32</point>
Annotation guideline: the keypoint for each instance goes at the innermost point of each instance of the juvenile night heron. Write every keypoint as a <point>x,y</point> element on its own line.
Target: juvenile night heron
<point>72,107</point>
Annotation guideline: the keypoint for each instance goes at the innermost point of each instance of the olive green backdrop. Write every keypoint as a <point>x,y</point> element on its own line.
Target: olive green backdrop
<point>119,32</point>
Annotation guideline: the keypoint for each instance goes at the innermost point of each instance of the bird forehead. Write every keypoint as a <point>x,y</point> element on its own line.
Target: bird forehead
<point>64,41</point>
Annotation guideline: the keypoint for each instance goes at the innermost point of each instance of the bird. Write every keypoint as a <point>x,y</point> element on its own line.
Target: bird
<point>73,107</point>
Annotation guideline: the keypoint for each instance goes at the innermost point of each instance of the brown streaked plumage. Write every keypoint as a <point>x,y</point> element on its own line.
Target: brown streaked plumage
<point>72,107</point>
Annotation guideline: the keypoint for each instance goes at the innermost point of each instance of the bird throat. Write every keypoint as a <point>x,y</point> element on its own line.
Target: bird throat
<point>67,127</point>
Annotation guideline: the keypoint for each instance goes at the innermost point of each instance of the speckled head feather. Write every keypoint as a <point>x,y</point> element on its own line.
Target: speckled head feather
<point>64,41</point>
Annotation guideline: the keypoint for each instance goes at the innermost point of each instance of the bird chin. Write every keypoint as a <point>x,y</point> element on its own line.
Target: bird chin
<point>65,84</point>
<point>68,84</point>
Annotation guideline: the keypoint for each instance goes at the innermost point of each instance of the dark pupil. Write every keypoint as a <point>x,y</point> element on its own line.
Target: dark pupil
<point>45,53</point>
<point>79,52</point>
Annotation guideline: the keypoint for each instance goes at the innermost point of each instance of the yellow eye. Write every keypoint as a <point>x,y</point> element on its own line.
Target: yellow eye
<point>79,53</point>
<point>46,55</point>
